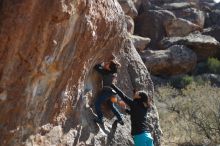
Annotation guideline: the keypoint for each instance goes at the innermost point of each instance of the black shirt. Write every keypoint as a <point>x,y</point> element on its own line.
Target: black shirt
<point>107,76</point>
<point>137,111</point>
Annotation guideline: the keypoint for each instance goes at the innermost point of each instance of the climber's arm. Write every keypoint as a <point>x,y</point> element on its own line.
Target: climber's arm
<point>125,98</point>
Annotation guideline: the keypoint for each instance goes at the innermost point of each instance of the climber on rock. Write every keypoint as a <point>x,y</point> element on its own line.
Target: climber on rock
<point>139,107</point>
<point>108,70</point>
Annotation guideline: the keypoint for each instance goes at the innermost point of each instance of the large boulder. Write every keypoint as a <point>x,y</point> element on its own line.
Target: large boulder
<point>139,42</point>
<point>175,60</point>
<point>128,7</point>
<point>187,11</point>
<point>151,24</point>
<point>204,46</point>
<point>177,5</point>
<point>47,50</point>
<point>180,27</point>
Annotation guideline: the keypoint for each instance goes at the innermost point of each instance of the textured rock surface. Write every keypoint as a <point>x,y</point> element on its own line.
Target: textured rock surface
<point>47,85</point>
<point>191,14</point>
<point>128,7</point>
<point>180,27</point>
<point>172,61</point>
<point>43,60</point>
<point>140,43</point>
<point>176,6</point>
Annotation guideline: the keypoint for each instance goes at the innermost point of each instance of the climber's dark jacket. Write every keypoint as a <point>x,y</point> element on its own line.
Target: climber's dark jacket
<point>106,93</point>
<point>107,76</point>
<point>138,113</point>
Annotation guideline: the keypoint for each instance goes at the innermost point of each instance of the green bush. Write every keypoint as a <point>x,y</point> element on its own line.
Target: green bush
<point>186,80</point>
<point>213,65</point>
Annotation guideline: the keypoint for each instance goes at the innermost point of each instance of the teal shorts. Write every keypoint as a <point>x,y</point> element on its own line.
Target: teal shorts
<point>143,139</point>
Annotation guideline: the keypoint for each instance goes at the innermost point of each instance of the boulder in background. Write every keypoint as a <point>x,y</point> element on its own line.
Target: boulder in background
<point>180,27</point>
<point>204,46</point>
<point>177,59</point>
<point>139,42</point>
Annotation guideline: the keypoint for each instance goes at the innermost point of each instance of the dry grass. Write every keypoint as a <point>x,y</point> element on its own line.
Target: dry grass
<point>190,116</point>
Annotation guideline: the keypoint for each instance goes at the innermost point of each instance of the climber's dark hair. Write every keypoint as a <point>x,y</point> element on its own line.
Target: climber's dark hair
<point>114,65</point>
<point>145,98</point>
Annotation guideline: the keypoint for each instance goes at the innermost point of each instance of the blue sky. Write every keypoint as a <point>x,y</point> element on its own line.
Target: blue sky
<point>217,1</point>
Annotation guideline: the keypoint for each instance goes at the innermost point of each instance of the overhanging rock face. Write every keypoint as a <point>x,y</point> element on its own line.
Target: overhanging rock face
<point>47,86</point>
